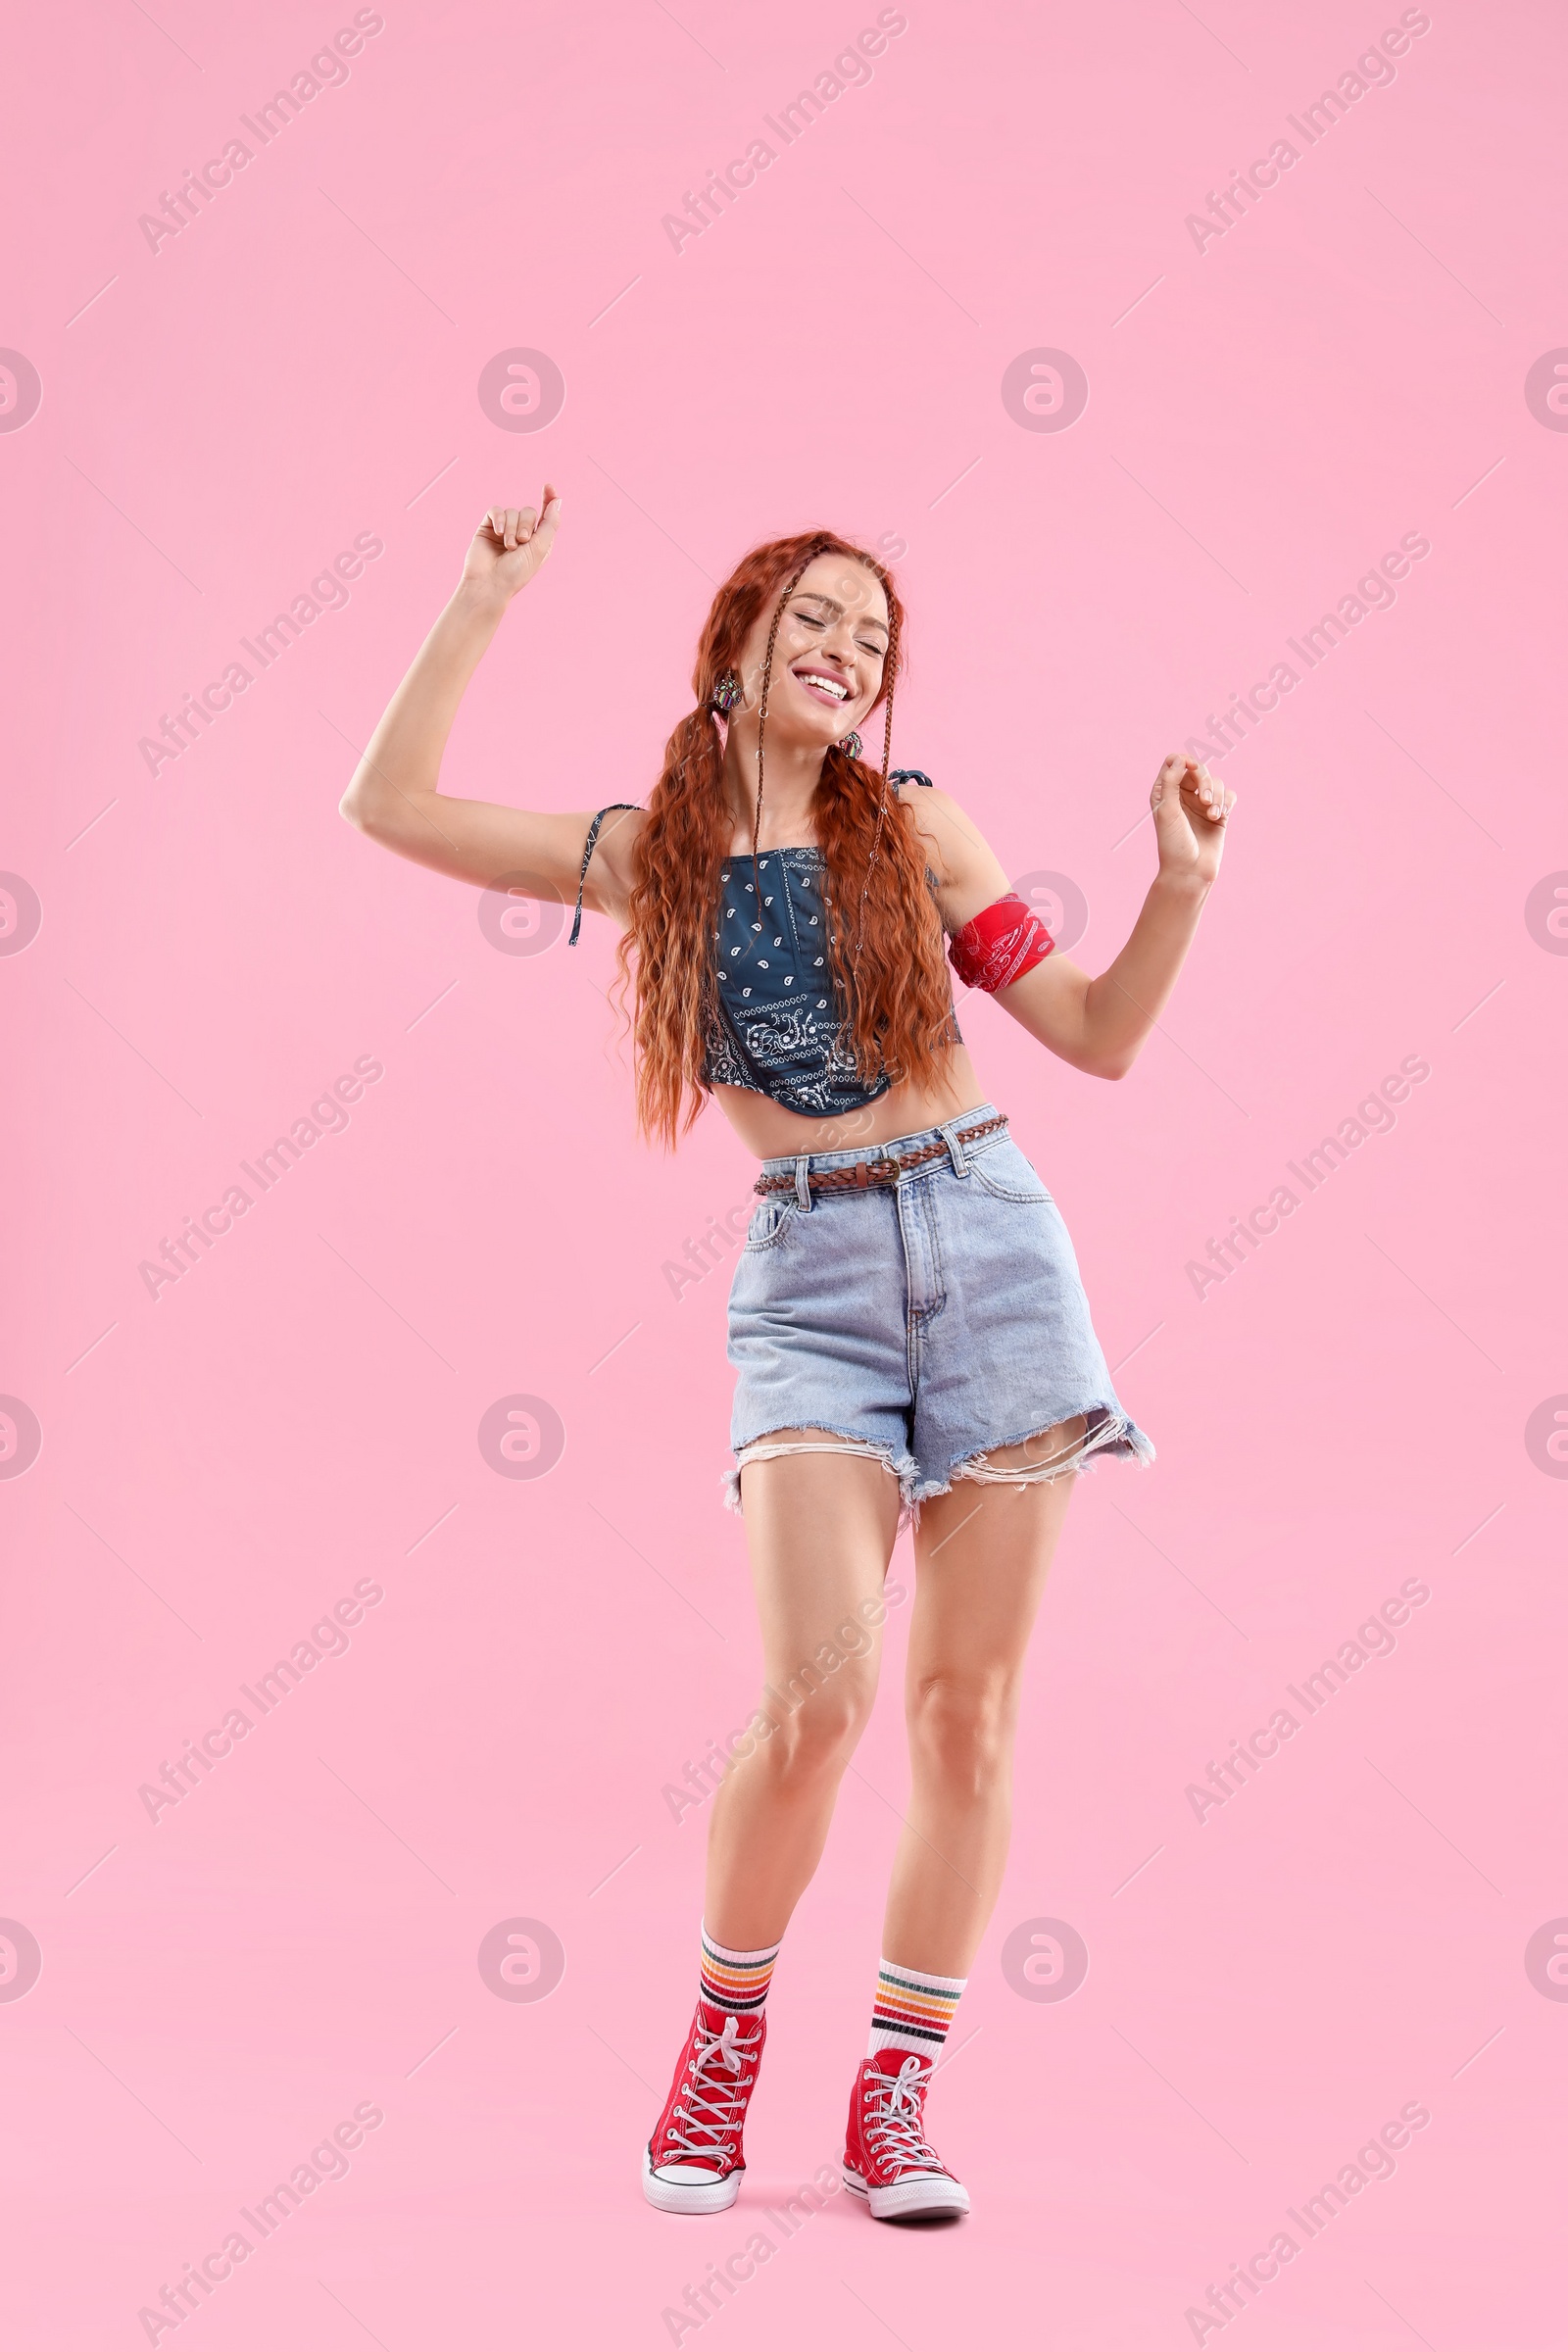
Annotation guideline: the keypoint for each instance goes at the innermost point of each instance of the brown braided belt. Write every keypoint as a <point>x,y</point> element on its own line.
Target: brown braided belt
<point>886,1170</point>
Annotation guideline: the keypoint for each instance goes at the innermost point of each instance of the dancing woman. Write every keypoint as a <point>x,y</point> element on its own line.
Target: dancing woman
<point>906,1320</point>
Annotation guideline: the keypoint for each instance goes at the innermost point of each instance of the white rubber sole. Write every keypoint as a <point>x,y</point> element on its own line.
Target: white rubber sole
<point>690,2196</point>
<point>922,2195</point>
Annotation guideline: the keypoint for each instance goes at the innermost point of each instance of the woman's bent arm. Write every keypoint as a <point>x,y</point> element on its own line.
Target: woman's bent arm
<point>1099,1025</point>
<point>395,796</point>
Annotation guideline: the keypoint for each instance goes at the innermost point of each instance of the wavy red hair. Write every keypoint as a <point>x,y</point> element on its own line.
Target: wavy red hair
<point>886,957</point>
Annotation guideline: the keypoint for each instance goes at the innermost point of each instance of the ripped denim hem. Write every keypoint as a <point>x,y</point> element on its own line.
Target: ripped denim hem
<point>902,1466</point>
<point>1109,1432</point>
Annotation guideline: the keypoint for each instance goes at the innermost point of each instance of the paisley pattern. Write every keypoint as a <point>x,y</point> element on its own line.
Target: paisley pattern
<point>780,1028</point>
<point>1006,940</point>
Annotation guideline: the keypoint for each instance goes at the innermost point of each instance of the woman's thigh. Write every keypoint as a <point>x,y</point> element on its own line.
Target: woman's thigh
<point>819,1528</point>
<point>982,1554</point>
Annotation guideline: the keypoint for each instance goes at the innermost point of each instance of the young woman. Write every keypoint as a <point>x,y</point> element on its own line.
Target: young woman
<point>906,1318</point>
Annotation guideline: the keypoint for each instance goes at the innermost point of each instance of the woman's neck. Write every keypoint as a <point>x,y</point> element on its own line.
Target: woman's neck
<point>791,777</point>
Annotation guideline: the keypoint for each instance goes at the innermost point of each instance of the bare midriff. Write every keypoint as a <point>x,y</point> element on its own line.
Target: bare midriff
<point>770,1131</point>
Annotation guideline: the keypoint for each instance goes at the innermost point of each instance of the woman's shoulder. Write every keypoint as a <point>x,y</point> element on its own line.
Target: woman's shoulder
<point>936,813</point>
<point>957,857</point>
<point>611,832</point>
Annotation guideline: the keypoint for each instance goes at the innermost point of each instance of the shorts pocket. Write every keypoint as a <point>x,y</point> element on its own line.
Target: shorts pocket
<point>771,1220</point>
<point>1006,1175</point>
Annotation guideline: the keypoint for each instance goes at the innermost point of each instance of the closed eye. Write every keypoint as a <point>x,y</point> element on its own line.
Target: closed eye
<point>868,645</point>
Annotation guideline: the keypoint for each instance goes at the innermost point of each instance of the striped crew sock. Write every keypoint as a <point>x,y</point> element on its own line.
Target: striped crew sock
<point>736,1981</point>
<point>914,2011</point>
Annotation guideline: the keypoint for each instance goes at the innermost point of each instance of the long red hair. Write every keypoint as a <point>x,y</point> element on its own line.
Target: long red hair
<point>886,952</point>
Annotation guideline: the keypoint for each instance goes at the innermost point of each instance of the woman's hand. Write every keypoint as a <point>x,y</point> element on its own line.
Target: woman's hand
<point>510,544</point>
<point>1191,808</point>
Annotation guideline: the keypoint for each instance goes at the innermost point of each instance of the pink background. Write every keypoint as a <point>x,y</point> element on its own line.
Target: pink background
<point>298,1934</point>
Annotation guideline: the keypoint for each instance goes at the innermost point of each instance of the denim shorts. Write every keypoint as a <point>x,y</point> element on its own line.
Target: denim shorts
<point>936,1319</point>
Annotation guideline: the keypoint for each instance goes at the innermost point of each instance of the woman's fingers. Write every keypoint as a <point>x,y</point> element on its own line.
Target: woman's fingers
<point>513,528</point>
<point>1197,792</point>
<point>545,529</point>
<point>1207,791</point>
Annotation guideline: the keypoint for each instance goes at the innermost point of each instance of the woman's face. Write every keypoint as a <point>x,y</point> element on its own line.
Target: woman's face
<point>827,657</point>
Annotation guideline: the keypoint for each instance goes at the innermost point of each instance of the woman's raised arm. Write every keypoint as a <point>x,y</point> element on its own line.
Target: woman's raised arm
<point>395,796</point>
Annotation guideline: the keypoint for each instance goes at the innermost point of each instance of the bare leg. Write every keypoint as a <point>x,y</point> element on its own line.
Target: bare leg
<point>981,1551</point>
<point>821,1529</point>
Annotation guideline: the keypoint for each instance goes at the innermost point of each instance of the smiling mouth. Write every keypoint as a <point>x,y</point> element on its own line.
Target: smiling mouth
<point>823,685</point>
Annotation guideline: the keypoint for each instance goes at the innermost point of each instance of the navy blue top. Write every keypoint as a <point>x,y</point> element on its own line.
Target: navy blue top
<point>780,1030</point>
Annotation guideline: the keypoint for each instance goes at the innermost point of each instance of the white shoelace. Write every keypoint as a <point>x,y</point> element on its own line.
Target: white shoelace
<point>895,2124</point>
<point>714,2110</point>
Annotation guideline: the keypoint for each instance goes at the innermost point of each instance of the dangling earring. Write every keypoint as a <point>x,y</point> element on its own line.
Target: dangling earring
<point>850,746</point>
<point>725,695</point>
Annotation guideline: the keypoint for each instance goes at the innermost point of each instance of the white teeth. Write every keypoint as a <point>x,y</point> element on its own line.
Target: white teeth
<point>833,686</point>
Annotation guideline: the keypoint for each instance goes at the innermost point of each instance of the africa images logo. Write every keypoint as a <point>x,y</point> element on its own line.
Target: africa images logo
<point>21,391</point>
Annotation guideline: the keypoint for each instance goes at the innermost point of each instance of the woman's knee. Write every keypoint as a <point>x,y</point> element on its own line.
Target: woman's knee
<point>961,1725</point>
<point>817,1724</point>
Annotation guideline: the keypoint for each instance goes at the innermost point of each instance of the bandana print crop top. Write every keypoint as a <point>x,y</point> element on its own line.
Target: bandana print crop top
<point>780,1029</point>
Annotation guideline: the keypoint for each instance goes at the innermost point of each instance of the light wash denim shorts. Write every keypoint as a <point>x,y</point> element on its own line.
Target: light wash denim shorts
<point>936,1321</point>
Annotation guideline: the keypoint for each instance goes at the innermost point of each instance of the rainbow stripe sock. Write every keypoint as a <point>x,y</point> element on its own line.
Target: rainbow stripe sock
<point>736,1981</point>
<point>914,2011</point>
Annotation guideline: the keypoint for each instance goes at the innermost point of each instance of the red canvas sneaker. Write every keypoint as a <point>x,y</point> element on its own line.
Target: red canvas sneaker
<point>887,2158</point>
<point>694,2161</point>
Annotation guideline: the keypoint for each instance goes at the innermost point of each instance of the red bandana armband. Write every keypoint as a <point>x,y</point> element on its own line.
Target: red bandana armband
<point>1005,941</point>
